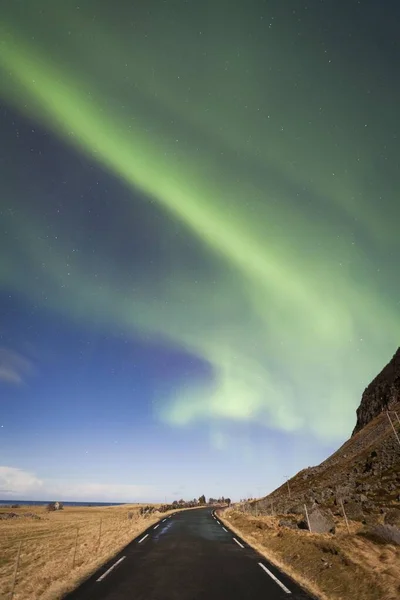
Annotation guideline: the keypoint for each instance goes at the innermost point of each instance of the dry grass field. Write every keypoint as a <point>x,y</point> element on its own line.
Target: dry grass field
<point>59,549</point>
<point>344,566</point>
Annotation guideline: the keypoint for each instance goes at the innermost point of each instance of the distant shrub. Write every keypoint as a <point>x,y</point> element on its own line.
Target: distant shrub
<point>146,510</point>
<point>52,506</point>
<point>15,506</point>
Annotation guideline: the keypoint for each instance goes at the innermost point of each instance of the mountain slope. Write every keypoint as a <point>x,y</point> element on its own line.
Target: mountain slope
<point>365,472</point>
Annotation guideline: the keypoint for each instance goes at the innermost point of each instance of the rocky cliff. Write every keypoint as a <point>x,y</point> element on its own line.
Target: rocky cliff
<point>364,473</point>
<point>381,393</point>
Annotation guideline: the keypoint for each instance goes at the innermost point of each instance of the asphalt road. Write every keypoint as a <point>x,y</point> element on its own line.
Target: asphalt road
<point>190,555</point>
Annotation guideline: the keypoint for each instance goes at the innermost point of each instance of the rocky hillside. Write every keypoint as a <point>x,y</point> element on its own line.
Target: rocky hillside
<point>381,393</point>
<point>364,473</point>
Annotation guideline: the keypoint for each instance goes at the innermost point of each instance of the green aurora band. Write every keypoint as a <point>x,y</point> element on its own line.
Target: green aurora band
<point>293,321</point>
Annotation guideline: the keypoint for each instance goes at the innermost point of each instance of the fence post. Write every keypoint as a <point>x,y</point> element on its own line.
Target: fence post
<point>15,571</point>
<point>75,547</point>
<point>394,430</point>
<point>288,485</point>
<point>345,516</point>
<point>308,520</point>
<point>98,543</point>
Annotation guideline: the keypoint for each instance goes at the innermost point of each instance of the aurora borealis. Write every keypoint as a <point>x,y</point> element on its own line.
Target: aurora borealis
<point>207,193</point>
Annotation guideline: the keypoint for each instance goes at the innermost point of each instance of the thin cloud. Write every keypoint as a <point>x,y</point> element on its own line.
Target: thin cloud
<point>24,484</point>
<point>14,368</point>
<point>18,481</point>
<point>97,492</point>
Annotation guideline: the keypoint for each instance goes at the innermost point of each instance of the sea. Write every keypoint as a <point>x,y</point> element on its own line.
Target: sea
<point>45,502</point>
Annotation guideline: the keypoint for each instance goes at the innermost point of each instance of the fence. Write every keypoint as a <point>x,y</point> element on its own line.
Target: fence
<point>265,506</point>
<point>31,563</point>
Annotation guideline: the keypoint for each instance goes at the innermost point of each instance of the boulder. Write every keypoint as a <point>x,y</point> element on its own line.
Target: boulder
<point>386,533</point>
<point>30,515</point>
<point>321,521</point>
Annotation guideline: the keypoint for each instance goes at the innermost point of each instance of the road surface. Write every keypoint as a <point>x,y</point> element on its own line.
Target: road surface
<point>190,555</point>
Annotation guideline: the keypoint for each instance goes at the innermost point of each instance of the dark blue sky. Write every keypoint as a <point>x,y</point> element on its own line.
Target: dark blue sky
<point>199,241</point>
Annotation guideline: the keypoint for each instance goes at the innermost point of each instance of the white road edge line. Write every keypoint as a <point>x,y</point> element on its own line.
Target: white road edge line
<point>163,520</point>
<point>110,569</point>
<point>275,578</point>
<point>218,522</point>
<point>224,529</point>
<point>241,545</point>
<point>156,526</point>
<point>143,538</point>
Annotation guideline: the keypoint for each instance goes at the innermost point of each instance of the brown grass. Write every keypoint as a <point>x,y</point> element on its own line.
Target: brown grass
<point>47,568</point>
<point>331,567</point>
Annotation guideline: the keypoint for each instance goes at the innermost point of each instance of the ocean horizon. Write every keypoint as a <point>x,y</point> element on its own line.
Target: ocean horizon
<point>66,503</point>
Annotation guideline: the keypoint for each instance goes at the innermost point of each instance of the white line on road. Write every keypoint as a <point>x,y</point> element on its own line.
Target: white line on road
<point>224,529</point>
<point>163,520</point>
<point>218,522</point>
<point>275,579</point>
<point>241,545</point>
<point>156,526</point>
<point>143,538</point>
<point>110,569</point>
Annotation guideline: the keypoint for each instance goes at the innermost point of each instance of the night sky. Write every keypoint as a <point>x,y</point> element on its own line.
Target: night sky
<point>199,240</point>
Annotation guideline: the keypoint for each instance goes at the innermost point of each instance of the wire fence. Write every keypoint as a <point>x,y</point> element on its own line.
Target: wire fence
<point>31,563</point>
<point>266,507</point>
